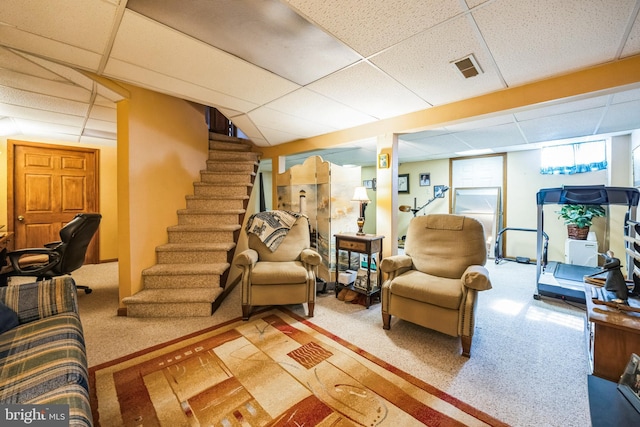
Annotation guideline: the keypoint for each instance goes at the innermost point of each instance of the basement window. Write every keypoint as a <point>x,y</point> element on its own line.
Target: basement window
<point>574,158</point>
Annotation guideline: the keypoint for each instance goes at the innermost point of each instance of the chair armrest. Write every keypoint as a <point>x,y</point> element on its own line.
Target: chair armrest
<point>246,258</point>
<point>476,277</point>
<point>37,300</point>
<point>39,264</point>
<point>395,262</point>
<point>311,257</point>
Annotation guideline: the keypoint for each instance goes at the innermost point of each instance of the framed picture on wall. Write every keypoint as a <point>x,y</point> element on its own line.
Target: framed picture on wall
<point>403,183</point>
<point>425,179</point>
<point>383,161</point>
<point>368,183</point>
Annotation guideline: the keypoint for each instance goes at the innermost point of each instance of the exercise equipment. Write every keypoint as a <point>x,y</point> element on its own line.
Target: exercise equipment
<point>522,260</point>
<point>566,281</point>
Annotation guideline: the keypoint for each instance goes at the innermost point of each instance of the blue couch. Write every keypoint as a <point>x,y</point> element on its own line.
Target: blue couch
<point>42,350</point>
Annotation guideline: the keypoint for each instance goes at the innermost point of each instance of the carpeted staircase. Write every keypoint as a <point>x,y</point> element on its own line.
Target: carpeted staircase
<point>192,268</point>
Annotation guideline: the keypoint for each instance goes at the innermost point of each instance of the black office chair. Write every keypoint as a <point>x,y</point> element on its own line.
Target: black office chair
<point>56,258</point>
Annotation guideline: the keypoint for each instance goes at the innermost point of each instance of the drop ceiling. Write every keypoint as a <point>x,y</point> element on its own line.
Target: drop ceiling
<point>286,70</point>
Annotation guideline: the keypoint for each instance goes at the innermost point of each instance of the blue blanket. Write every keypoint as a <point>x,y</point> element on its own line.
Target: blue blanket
<point>271,227</point>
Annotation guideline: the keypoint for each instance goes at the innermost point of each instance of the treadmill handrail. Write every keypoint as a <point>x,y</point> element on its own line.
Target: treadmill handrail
<point>589,195</point>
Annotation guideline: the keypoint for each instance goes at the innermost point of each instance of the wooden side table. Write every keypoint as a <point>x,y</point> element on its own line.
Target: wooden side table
<point>368,244</point>
<point>612,336</point>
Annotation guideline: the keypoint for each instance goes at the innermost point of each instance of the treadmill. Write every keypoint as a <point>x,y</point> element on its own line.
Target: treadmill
<point>565,281</point>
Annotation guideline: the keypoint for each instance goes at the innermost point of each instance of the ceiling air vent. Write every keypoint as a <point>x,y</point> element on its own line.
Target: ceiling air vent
<point>468,66</point>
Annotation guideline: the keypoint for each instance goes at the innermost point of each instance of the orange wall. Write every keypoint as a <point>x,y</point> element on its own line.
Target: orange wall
<point>108,199</point>
<point>162,146</point>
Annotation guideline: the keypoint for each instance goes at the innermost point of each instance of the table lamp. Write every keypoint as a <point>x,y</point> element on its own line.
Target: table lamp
<point>360,195</point>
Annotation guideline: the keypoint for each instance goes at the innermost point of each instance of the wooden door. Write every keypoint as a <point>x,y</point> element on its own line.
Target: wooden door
<point>51,184</point>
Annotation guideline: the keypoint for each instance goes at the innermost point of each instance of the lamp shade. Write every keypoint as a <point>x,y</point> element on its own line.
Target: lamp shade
<point>360,195</point>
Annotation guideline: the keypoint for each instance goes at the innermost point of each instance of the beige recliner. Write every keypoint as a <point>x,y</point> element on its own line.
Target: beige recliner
<point>435,283</point>
<point>285,275</point>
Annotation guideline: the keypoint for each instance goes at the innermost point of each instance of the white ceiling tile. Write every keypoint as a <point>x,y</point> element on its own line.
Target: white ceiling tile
<point>311,106</point>
<point>369,26</point>
<point>147,44</point>
<point>38,127</point>
<point>84,24</point>
<point>152,80</point>
<point>90,140</point>
<point>562,107</point>
<point>244,123</point>
<point>36,114</point>
<point>267,33</point>
<point>493,136</point>
<point>561,126</point>
<point>366,89</point>
<point>38,101</point>
<point>264,117</point>
<point>632,46</point>
<point>447,143</point>
<point>531,40</point>
<point>104,102</point>
<point>482,123</point>
<point>102,125</point>
<point>101,113</point>
<point>623,116</point>
<point>626,96</point>
<point>36,85</point>
<point>12,61</point>
<point>52,49</point>
<point>277,136</point>
<point>424,64</point>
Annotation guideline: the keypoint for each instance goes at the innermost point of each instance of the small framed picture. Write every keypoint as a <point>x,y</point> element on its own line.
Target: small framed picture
<point>439,190</point>
<point>368,183</point>
<point>425,179</point>
<point>629,384</point>
<point>383,161</point>
<point>403,183</point>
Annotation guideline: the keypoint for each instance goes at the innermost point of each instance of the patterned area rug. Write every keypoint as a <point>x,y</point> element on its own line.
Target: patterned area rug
<point>276,369</point>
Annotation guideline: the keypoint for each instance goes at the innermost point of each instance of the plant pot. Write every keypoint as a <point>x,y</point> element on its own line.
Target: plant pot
<point>576,233</point>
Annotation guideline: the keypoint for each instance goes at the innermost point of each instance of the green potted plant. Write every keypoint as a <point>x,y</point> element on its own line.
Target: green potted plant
<point>578,219</point>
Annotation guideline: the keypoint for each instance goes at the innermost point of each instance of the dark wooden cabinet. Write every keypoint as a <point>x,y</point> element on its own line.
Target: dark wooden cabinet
<point>612,336</point>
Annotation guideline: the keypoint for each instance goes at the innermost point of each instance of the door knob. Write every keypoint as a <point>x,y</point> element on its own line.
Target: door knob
<point>20,218</point>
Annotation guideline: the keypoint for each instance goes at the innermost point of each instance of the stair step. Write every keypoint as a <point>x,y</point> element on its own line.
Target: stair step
<point>226,176</point>
<point>202,233</point>
<point>221,189</point>
<point>216,202</point>
<point>189,253</point>
<point>185,302</point>
<point>231,166</point>
<point>233,156</point>
<point>209,216</point>
<point>229,145</point>
<point>168,276</point>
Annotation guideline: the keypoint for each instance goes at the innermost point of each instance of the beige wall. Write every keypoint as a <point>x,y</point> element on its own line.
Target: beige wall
<point>162,146</point>
<point>108,198</point>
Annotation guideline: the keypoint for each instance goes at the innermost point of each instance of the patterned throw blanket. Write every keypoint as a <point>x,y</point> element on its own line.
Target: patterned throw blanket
<point>271,227</point>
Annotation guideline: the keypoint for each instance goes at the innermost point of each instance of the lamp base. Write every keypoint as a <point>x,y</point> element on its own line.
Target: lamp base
<point>360,223</point>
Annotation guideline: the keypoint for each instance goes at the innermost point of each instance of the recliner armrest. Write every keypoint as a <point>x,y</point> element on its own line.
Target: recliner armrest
<point>311,257</point>
<point>395,262</point>
<point>246,258</point>
<point>476,277</point>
